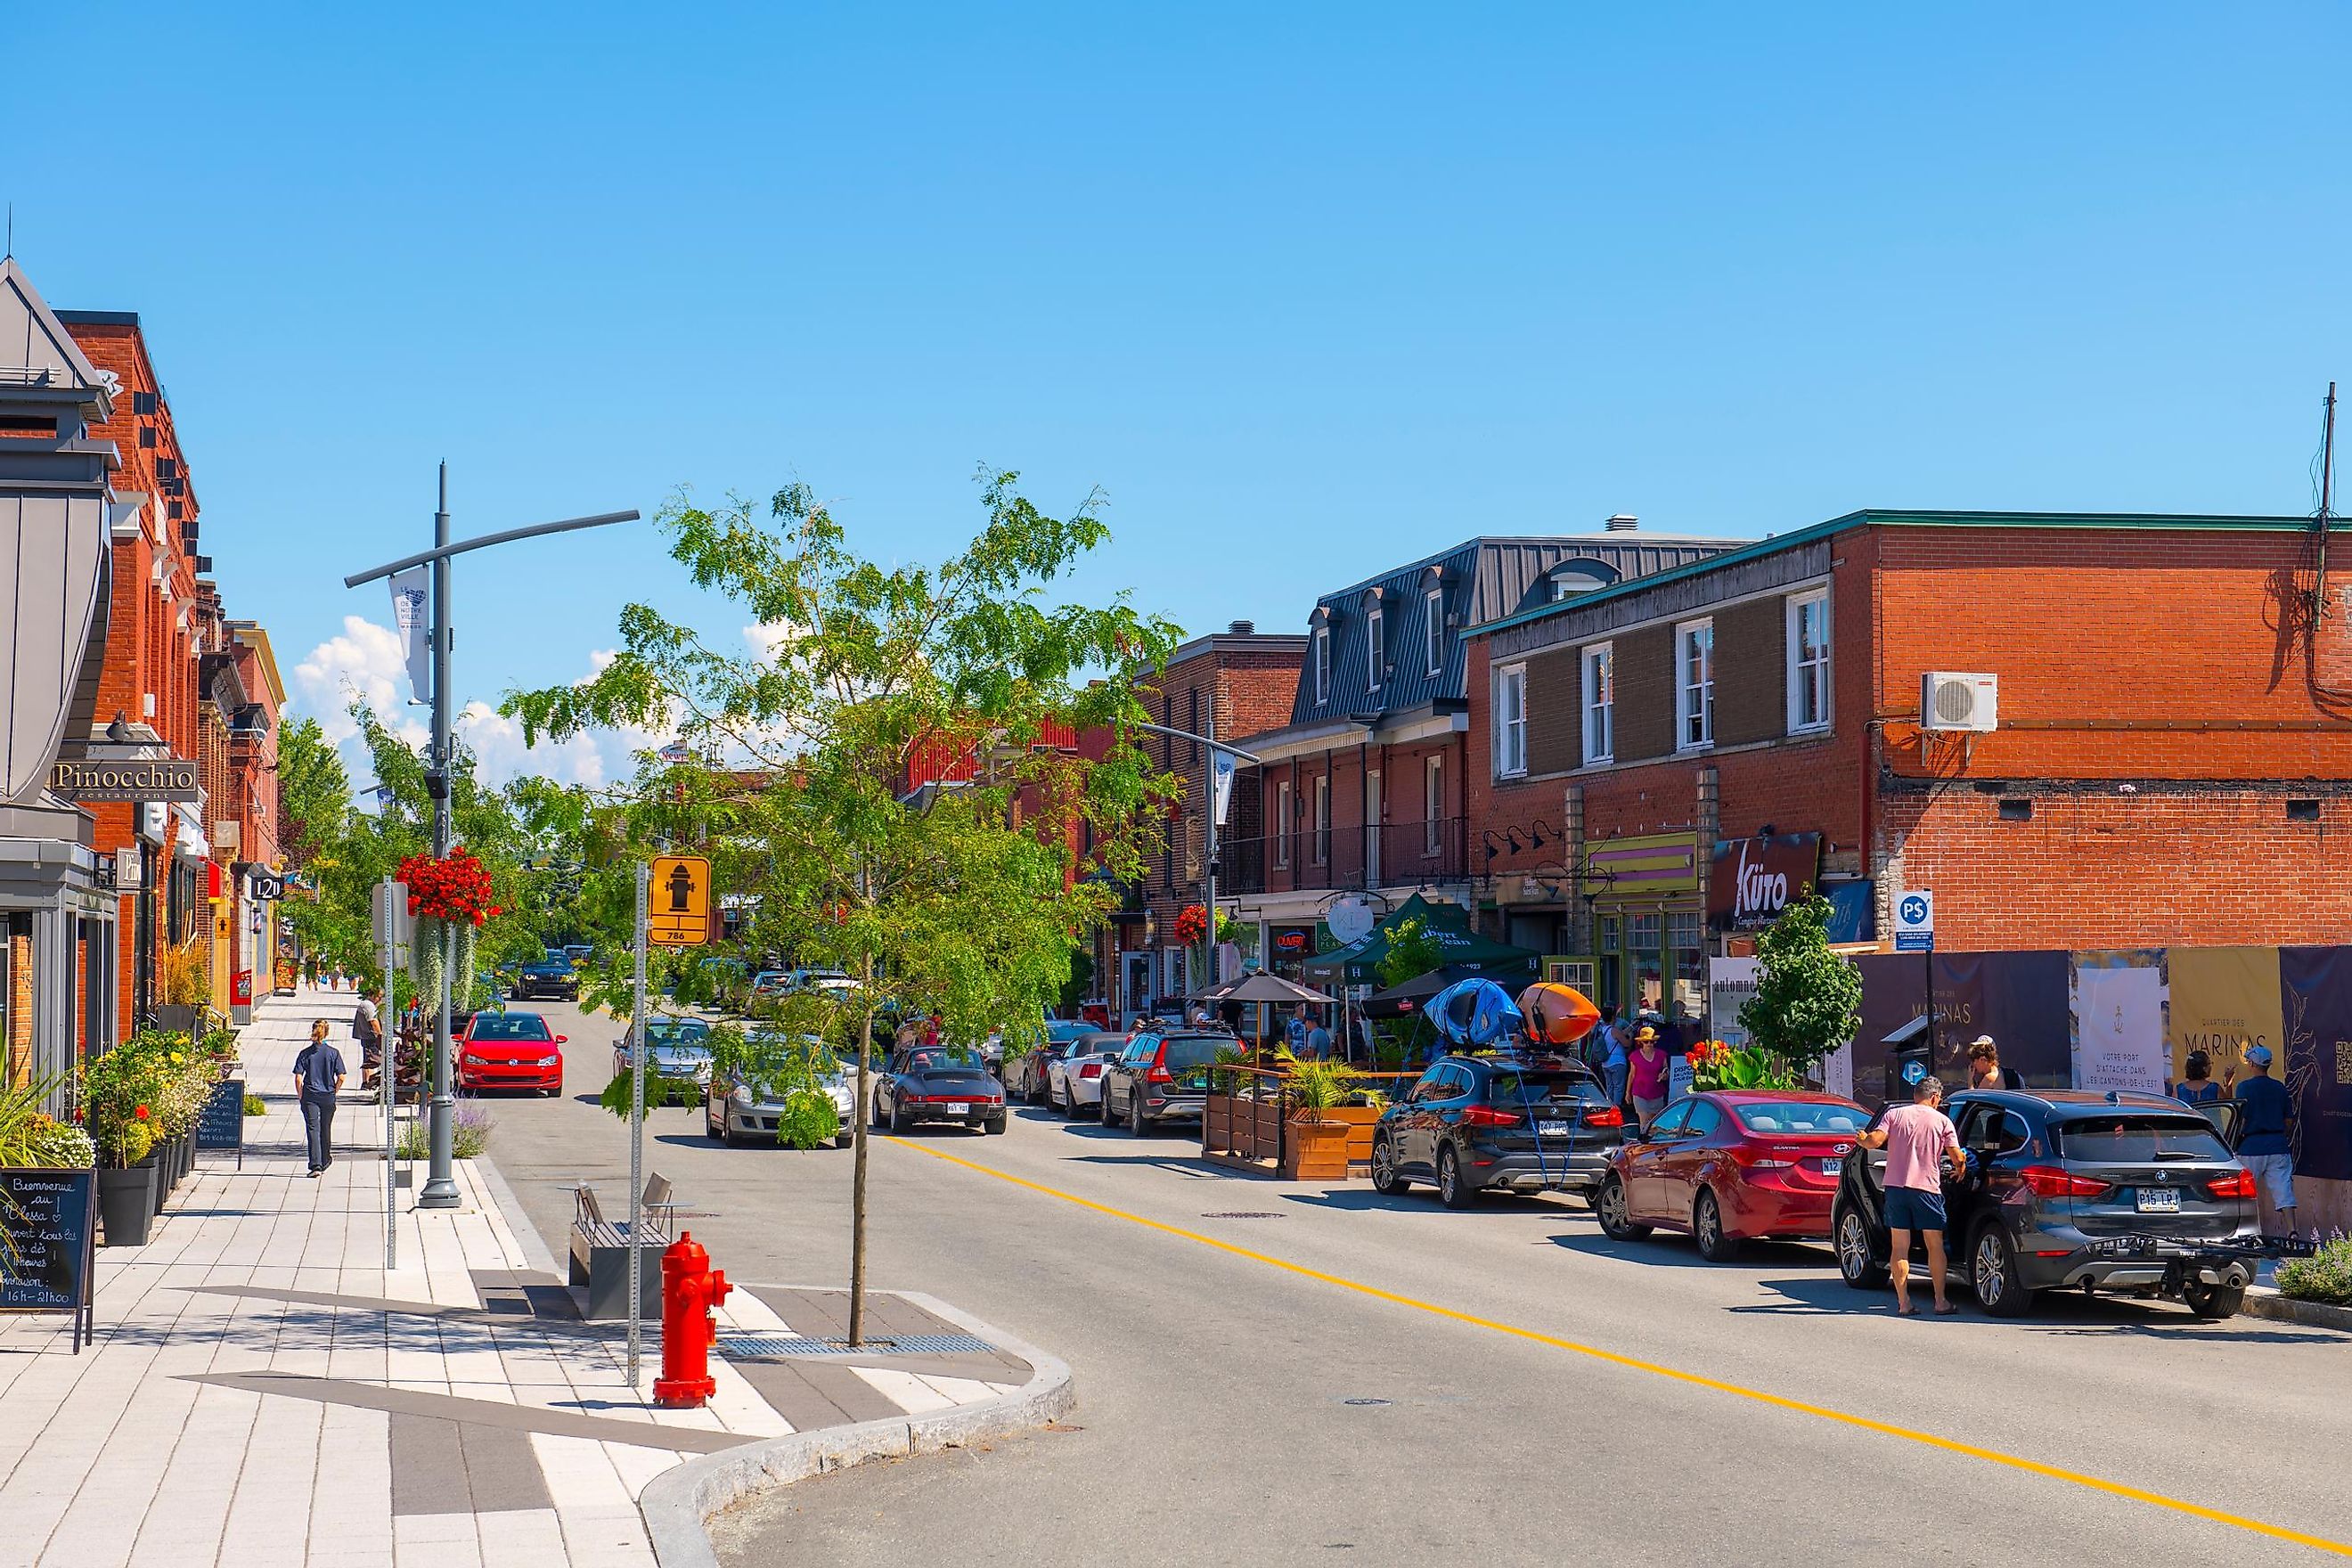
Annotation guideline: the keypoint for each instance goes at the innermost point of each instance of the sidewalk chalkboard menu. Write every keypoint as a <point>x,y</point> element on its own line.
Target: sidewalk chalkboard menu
<point>50,1218</point>
<point>221,1123</point>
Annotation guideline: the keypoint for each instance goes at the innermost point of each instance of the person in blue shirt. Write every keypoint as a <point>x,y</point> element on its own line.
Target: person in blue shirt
<point>2197,1087</point>
<point>318,1074</point>
<point>2267,1113</point>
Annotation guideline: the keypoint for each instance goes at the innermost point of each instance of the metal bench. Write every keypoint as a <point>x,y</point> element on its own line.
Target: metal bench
<point>600,1251</point>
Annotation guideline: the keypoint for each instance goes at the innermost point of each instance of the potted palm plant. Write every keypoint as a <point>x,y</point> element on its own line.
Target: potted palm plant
<point>181,987</point>
<point>1316,1149</point>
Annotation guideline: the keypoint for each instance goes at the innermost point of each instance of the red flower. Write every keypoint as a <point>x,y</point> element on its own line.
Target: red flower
<point>140,1113</point>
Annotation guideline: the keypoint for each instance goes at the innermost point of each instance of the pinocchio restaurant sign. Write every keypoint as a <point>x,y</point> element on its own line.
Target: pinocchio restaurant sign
<point>168,779</point>
<point>1753,880</point>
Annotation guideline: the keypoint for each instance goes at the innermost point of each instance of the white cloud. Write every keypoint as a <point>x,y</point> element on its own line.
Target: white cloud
<point>366,661</point>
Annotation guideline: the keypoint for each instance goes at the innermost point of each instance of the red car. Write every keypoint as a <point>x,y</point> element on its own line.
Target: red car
<point>509,1050</point>
<point>1731,1165</point>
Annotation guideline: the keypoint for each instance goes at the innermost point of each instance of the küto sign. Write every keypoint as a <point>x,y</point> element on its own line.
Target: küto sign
<point>167,779</point>
<point>1752,880</point>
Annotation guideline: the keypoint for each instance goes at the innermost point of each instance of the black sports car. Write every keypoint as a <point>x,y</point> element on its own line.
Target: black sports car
<point>938,1083</point>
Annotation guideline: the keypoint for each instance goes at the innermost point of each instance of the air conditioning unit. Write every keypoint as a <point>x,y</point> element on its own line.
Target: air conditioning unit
<point>1951,700</point>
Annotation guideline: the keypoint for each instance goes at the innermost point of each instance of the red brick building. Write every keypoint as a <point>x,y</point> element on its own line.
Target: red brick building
<point>2169,761</point>
<point>1365,773</point>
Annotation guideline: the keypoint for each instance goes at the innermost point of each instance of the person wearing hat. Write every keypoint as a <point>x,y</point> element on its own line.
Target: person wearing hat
<point>2265,1113</point>
<point>1647,1075</point>
<point>1985,1070</point>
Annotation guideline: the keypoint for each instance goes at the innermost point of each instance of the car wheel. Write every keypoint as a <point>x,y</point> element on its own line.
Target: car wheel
<point>711,1130</point>
<point>1385,1180</point>
<point>1992,1271</point>
<point>2213,1302</point>
<point>1706,1229</point>
<point>897,1119</point>
<point>843,1139</point>
<point>1055,1101</point>
<point>1137,1124</point>
<point>1451,1190</point>
<point>993,1125</point>
<point>1860,1270</point>
<point>1615,1212</point>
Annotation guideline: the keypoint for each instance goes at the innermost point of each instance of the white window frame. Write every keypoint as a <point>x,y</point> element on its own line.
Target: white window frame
<point>1432,606</point>
<point>1433,801</point>
<point>1282,825</point>
<point>1375,644</point>
<point>1511,725</point>
<point>1693,701</point>
<point>1815,674</point>
<point>1598,663</point>
<point>1322,823</point>
<point>1322,665</point>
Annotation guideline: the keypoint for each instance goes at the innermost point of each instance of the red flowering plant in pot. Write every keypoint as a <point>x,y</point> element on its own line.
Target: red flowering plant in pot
<point>449,897</point>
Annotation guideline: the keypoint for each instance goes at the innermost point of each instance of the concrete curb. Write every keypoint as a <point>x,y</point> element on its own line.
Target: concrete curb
<point>2262,1302</point>
<point>526,1235</point>
<point>678,1502</point>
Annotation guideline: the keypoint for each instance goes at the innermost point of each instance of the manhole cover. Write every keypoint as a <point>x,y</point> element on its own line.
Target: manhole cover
<point>1242,1214</point>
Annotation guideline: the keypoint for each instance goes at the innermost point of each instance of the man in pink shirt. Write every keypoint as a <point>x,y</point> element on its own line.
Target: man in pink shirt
<point>1919,1138</point>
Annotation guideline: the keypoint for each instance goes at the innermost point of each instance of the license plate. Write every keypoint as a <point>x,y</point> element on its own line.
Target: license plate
<point>1552,1129</point>
<point>1834,1167</point>
<point>955,1109</point>
<point>2156,1200</point>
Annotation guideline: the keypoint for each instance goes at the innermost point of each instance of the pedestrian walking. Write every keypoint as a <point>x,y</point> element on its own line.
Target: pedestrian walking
<point>1985,1070</point>
<point>2198,1088</point>
<point>1319,1039</point>
<point>318,1078</point>
<point>1613,1057</point>
<point>1920,1139</point>
<point>1293,1030</point>
<point>1647,1073</point>
<point>2266,1116</point>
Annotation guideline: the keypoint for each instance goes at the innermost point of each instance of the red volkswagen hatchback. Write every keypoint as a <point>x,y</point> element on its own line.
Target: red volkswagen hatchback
<point>1731,1165</point>
<point>509,1050</point>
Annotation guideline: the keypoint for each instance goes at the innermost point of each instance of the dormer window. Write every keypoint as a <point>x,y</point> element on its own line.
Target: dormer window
<point>1322,665</point>
<point>1570,579</point>
<point>1376,645</point>
<point>1432,616</point>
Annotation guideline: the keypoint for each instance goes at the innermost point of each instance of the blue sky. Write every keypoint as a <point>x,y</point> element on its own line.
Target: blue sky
<point>1306,290</point>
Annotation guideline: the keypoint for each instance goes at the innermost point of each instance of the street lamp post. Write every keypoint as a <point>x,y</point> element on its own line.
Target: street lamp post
<point>1209,822</point>
<point>440,1190</point>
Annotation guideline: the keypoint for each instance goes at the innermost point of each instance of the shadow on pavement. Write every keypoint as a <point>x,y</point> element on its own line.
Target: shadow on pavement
<point>1361,1200</point>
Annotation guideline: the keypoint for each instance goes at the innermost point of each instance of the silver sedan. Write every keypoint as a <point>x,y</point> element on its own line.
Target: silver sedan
<point>1075,1081</point>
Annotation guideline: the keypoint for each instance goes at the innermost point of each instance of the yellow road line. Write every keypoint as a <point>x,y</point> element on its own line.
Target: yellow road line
<point>1695,1380</point>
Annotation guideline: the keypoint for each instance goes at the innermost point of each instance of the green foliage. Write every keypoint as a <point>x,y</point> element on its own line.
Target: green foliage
<point>969,902</point>
<point>2326,1276</point>
<point>1081,984</point>
<point>1318,1084</point>
<point>808,1120</point>
<point>659,1091</point>
<point>469,1135</point>
<point>255,1106</point>
<point>1807,999</point>
<point>1414,950</point>
<point>29,1135</point>
<point>1714,1065</point>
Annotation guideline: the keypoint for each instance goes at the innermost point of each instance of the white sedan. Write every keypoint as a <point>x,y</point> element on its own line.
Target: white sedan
<point>1075,1081</point>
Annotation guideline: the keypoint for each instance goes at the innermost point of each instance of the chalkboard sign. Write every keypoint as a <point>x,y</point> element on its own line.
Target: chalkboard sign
<point>51,1221</point>
<point>221,1123</point>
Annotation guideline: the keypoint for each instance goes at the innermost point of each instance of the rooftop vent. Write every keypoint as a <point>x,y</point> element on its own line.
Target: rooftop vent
<point>1623,522</point>
<point>1243,628</point>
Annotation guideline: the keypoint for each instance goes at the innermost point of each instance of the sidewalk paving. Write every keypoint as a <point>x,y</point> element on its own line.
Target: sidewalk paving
<point>263,1391</point>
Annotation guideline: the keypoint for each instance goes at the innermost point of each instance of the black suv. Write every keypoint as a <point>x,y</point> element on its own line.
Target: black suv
<point>1476,1122</point>
<point>1163,1076</point>
<point>2071,1190</point>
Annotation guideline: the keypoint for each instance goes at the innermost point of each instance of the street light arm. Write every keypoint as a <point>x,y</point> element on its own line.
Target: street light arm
<point>1250,757</point>
<point>533,531</point>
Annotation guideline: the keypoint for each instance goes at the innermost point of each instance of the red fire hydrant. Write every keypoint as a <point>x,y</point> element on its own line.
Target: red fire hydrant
<point>690,1288</point>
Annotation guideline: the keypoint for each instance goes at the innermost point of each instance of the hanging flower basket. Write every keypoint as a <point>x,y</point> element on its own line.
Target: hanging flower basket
<point>448,896</point>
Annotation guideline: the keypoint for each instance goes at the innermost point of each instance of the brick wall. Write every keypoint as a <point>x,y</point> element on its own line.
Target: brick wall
<point>1751,677</point>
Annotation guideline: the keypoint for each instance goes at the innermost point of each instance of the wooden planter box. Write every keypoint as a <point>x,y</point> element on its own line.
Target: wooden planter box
<point>1332,1152</point>
<point>1241,1131</point>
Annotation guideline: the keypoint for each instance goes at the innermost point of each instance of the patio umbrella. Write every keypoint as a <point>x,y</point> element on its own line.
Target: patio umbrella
<point>1410,996</point>
<point>1271,988</point>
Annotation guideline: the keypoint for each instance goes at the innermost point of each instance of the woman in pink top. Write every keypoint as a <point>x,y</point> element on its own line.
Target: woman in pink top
<point>1647,1079</point>
<point>1919,1138</point>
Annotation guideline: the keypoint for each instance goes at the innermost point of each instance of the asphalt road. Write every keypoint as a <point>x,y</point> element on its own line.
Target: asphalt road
<point>1628,1401</point>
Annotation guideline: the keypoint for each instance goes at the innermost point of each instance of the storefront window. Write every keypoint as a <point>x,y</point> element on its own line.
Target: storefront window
<point>1645,959</point>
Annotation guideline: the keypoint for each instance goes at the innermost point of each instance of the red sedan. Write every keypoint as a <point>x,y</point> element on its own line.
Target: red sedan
<point>1730,1165</point>
<point>509,1050</point>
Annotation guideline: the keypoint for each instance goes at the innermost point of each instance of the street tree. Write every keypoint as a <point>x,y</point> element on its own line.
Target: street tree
<point>1807,999</point>
<point>966,897</point>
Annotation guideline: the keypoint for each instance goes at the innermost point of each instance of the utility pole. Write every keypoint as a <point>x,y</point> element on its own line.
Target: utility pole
<point>440,1191</point>
<point>638,1137</point>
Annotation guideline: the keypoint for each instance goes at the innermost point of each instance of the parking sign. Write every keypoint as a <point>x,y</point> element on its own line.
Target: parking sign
<point>1915,921</point>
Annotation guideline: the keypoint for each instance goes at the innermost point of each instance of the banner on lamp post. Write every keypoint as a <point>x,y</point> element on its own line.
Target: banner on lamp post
<point>412,595</point>
<point>1221,766</point>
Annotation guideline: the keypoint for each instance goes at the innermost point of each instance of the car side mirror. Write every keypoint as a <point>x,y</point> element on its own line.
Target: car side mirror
<point>561,1038</point>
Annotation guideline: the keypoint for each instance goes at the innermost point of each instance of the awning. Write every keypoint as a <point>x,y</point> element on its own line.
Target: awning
<point>1358,963</point>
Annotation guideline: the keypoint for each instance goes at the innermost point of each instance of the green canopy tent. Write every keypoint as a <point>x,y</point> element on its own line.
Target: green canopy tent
<point>1358,963</point>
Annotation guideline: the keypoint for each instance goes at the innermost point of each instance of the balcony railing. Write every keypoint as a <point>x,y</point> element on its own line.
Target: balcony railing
<point>1391,854</point>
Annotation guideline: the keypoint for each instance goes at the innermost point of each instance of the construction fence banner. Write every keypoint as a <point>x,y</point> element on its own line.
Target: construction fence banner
<point>2316,997</point>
